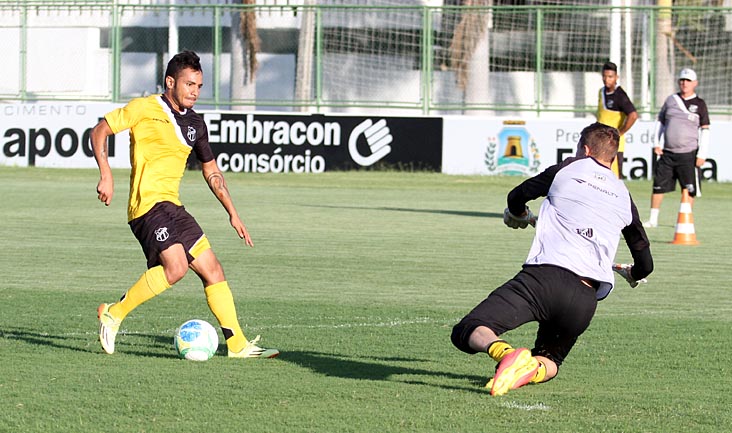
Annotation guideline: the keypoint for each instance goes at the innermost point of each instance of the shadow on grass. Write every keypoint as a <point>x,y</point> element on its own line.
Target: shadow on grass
<point>87,342</point>
<point>33,337</point>
<point>374,368</point>
<point>433,211</point>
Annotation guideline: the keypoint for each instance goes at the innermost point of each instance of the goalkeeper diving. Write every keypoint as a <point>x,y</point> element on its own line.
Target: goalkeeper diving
<point>569,267</point>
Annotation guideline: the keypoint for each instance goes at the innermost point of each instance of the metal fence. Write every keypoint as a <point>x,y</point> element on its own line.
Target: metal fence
<point>297,56</point>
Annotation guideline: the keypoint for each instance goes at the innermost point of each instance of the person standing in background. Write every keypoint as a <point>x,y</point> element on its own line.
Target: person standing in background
<point>682,143</point>
<point>615,109</point>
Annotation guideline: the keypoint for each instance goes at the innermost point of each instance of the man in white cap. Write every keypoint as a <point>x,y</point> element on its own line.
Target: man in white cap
<point>682,142</point>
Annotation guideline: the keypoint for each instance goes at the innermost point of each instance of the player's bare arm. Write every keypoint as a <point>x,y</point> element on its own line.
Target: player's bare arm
<point>701,156</point>
<point>629,121</point>
<point>105,187</point>
<point>217,184</point>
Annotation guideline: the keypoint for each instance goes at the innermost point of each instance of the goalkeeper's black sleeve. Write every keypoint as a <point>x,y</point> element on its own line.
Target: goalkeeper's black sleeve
<point>642,264</point>
<point>639,246</point>
<point>531,189</point>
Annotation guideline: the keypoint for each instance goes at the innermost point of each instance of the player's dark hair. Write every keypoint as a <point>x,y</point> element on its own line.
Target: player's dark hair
<point>183,60</point>
<point>602,140</point>
<point>610,66</point>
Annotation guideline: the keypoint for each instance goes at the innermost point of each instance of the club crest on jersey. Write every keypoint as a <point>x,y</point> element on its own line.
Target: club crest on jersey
<point>588,233</point>
<point>600,177</point>
<point>161,234</point>
<point>191,133</point>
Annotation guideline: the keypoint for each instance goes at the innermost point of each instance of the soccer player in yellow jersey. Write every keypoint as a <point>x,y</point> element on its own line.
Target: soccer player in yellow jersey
<point>615,109</point>
<point>164,130</point>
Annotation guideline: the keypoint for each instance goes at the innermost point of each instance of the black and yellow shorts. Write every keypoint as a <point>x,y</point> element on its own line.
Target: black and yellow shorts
<point>167,224</point>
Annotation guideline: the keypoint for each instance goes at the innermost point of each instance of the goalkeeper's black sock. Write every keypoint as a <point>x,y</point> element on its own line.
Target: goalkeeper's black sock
<point>498,349</point>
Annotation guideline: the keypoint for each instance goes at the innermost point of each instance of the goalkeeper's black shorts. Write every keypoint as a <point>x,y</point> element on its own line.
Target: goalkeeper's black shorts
<point>558,299</point>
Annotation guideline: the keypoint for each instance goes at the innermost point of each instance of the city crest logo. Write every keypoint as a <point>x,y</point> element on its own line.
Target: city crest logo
<point>512,151</point>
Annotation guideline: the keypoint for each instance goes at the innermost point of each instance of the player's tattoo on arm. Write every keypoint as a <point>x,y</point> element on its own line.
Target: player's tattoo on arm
<point>217,184</point>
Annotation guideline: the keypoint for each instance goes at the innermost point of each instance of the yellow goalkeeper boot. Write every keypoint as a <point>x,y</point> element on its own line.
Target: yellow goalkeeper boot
<point>251,350</point>
<point>108,328</point>
<point>515,370</point>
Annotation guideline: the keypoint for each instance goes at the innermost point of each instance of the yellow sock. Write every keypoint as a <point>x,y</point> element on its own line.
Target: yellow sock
<point>150,284</point>
<point>221,302</point>
<point>540,374</point>
<point>498,349</point>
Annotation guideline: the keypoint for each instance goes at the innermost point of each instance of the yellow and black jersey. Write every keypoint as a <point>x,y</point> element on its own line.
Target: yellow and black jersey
<point>613,108</point>
<point>160,141</point>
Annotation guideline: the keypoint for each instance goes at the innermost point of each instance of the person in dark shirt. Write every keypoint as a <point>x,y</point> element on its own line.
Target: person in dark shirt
<point>615,109</point>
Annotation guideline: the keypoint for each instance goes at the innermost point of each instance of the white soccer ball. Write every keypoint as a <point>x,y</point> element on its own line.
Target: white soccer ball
<point>196,340</point>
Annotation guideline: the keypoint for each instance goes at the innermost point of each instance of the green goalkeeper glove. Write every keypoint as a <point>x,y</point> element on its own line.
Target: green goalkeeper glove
<point>519,222</point>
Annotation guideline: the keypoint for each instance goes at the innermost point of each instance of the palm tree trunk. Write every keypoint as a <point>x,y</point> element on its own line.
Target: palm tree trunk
<point>244,48</point>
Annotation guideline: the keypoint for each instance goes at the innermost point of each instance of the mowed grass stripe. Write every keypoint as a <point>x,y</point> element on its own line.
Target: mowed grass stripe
<point>357,278</point>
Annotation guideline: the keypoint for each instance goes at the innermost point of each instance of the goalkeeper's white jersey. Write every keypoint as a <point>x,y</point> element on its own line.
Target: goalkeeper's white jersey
<point>581,219</point>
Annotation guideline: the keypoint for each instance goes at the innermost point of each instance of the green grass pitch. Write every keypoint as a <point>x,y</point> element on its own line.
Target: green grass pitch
<point>357,278</point>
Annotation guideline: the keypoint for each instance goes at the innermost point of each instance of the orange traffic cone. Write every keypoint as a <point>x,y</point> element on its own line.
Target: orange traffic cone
<point>685,234</point>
